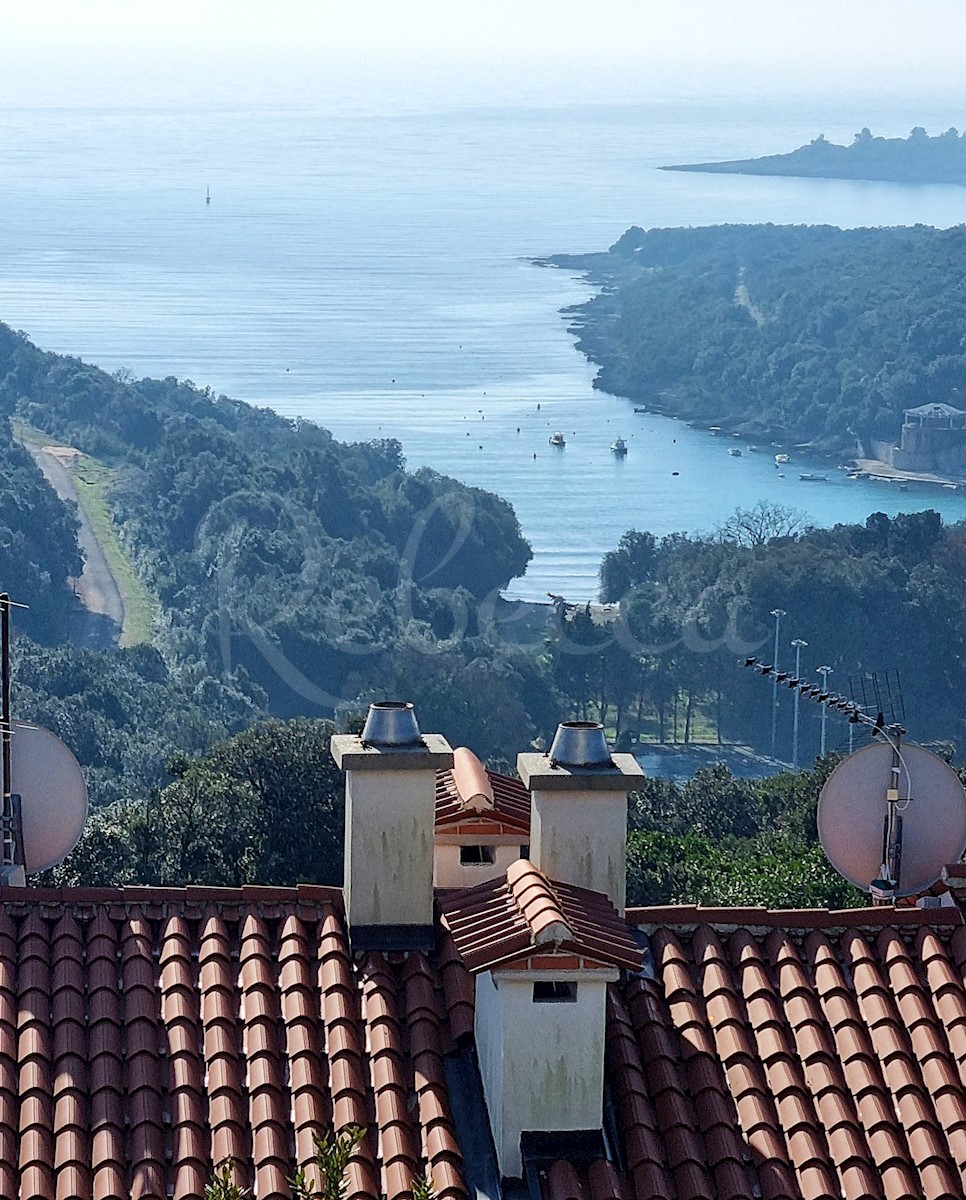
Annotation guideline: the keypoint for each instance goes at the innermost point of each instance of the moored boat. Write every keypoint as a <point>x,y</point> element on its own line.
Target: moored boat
<point>557,439</point>
<point>780,459</point>
<point>735,452</point>
<point>809,477</point>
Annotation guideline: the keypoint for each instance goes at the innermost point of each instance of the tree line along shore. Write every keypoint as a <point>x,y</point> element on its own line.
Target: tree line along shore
<point>850,328</point>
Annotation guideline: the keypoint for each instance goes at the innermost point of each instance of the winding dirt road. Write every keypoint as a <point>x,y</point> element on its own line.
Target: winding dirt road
<point>97,588</point>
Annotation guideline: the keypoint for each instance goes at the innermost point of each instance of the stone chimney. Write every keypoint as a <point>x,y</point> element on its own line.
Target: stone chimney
<point>578,828</point>
<point>390,793</point>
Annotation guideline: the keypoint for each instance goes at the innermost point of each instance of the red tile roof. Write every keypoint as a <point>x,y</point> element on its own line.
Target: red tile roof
<point>523,914</point>
<point>795,1061</point>
<point>472,797</point>
<point>146,1032</point>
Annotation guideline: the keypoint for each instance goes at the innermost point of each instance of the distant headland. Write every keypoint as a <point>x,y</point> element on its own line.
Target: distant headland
<point>917,158</point>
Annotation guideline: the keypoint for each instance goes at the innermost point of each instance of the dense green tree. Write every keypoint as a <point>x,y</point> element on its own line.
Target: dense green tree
<point>39,556</point>
<point>265,806</point>
<point>849,328</point>
<point>720,840</point>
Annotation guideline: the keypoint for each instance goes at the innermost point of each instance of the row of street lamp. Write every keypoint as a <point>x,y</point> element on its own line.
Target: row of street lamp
<point>799,644</point>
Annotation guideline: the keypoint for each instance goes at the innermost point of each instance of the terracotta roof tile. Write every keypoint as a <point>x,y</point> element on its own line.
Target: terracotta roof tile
<point>143,1033</point>
<point>564,1183</point>
<point>71,1145</point>
<point>468,790</point>
<point>303,1038</point>
<point>512,917</point>
<point>140,1042</point>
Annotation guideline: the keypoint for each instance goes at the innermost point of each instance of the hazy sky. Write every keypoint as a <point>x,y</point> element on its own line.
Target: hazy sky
<point>410,51</point>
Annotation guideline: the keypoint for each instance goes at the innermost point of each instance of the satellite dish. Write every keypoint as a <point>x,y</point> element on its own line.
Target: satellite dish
<point>852,811</point>
<point>53,796</point>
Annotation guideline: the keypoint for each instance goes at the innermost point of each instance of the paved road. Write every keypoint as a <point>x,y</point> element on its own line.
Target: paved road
<point>96,587</point>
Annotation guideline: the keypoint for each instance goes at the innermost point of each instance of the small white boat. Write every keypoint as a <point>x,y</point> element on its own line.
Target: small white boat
<point>735,452</point>
<point>619,447</point>
<point>557,439</point>
<point>781,459</point>
<point>751,449</point>
<point>808,477</point>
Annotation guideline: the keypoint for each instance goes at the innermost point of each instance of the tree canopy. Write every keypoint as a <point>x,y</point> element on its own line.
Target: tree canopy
<point>317,570</point>
<point>809,333</point>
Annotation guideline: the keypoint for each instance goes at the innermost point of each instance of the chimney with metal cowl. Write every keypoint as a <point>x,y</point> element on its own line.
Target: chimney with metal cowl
<point>578,827</point>
<point>390,793</point>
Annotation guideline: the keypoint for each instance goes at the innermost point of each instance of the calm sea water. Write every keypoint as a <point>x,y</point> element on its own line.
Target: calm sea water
<point>373,273</point>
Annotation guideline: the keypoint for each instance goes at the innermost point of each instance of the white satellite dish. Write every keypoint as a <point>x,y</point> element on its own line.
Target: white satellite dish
<point>53,795</point>
<point>853,809</point>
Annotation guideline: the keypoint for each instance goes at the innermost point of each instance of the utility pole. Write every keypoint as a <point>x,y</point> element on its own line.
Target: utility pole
<point>798,644</point>
<point>825,672</point>
<point>11,828</point>
<point>777,613</point>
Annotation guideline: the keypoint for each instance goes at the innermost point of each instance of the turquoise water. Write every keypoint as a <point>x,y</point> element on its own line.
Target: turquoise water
<point>373,273</point>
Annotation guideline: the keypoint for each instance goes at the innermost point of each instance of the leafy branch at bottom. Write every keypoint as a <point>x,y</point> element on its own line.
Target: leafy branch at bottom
<point>331,1160</point>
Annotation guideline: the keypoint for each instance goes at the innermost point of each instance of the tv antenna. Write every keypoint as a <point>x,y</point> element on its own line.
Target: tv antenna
<point>856,713</point>
<point>879,692</point>
<point>889,817</point>
<point>44,800</point>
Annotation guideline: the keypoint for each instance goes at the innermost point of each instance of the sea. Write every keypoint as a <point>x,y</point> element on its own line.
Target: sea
<point>373,271</point>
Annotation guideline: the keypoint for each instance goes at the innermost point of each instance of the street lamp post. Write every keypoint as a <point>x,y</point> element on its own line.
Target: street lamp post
<point>777,613</point>
<point>825,672</point>
<point>798,644</point>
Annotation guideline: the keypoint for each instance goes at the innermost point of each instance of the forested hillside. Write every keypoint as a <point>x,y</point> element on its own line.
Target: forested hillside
<point>810,333</point>
<point>38,544</point>
<point>324,572</point>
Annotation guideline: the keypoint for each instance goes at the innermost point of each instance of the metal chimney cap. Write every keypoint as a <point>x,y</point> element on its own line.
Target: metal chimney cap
<point>580,744</point>
<point>391,723</point>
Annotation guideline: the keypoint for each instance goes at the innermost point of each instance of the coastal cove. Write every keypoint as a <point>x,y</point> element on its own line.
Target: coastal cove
<point>375,274</point>
<point>606,495</point>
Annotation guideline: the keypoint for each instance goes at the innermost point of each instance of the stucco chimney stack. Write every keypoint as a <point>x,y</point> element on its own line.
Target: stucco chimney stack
<point>390,792</point>
<point>578,828</point>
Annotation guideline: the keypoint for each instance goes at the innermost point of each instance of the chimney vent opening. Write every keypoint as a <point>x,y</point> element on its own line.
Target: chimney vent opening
<point>580,744</point>
<point>477,856</point>
<point>547,991</point>
<point>391,723</point>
